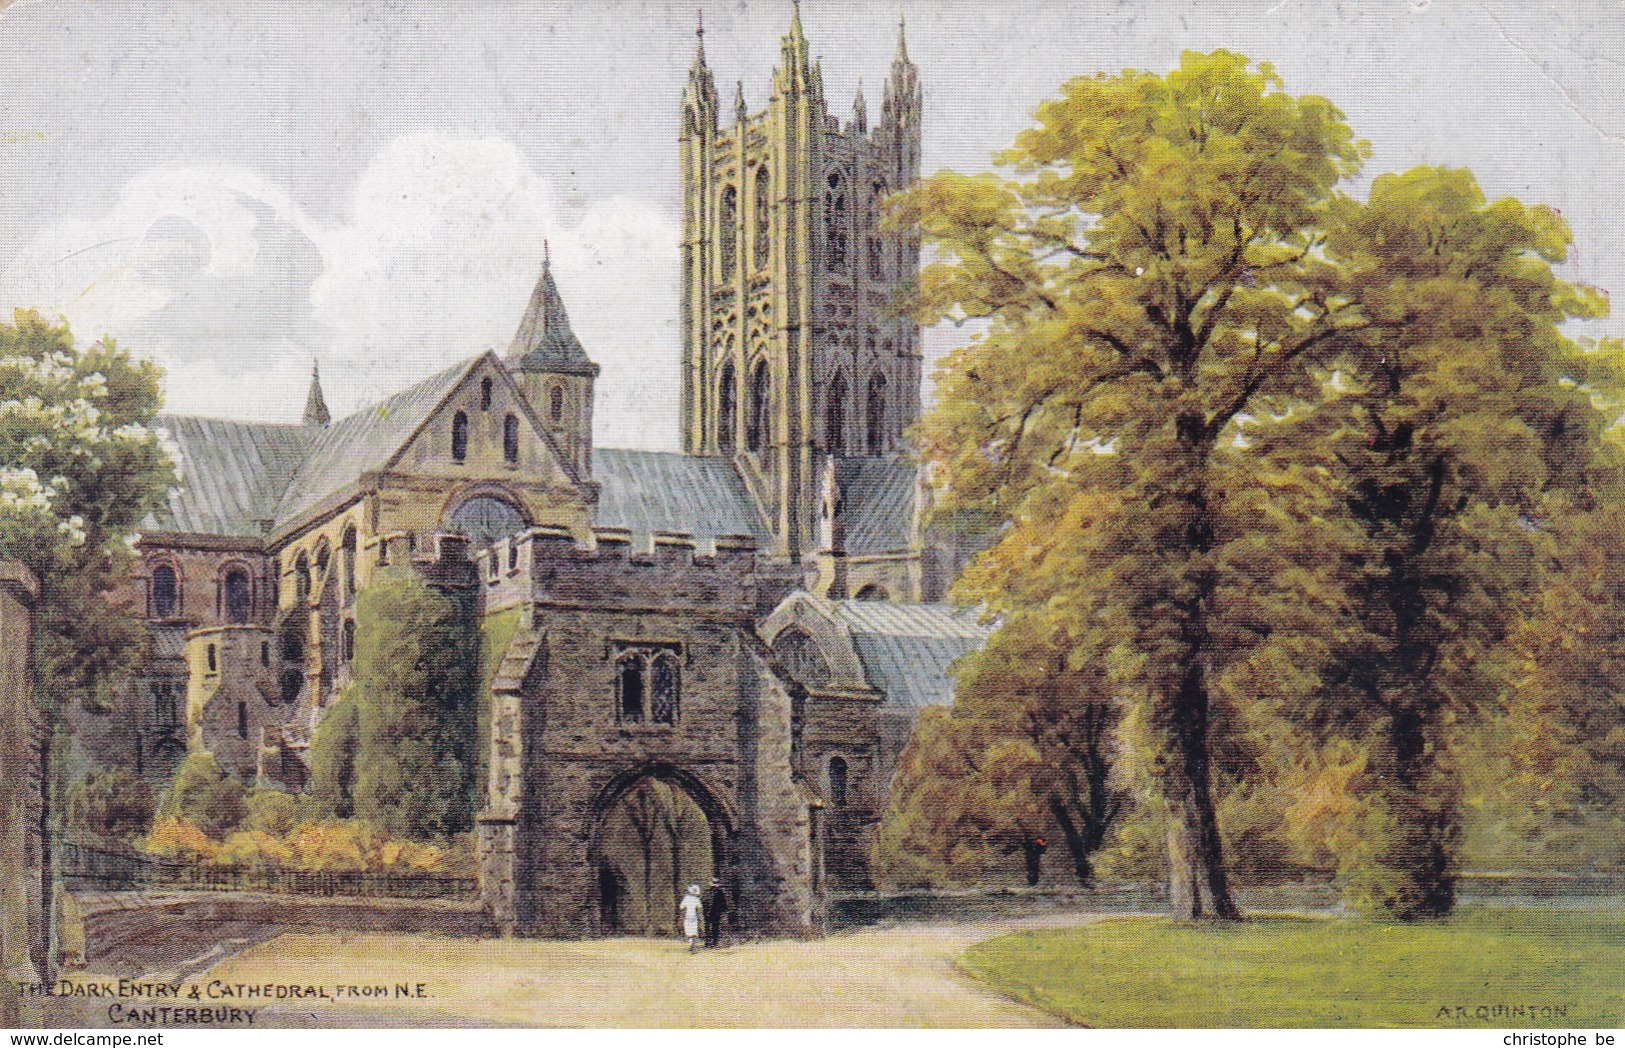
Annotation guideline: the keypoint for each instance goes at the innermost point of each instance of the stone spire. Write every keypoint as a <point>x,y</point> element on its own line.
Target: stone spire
<point>700,94</point>
<point>741,113</point>
<point>545,341</point>
<point>316,413</point>
<point>860,111</point>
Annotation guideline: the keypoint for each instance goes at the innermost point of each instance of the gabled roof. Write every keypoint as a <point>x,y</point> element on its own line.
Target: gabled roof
<point>878,498</point>
<point>545,341</point>
<point>645,491</point>
<point>366,440</point>
<point>907,649</point>
<point>233,474</point>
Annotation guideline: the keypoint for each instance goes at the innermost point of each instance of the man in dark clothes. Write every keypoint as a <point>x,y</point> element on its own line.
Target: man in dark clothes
<point>715,900</point>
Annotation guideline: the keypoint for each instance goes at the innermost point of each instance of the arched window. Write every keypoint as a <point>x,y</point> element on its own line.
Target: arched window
<point>485,519</point>
<point>347,560</point>
<point>630,686</point>
<point>757,420</point>
<point>835,224</point>
<point>349,640</point>
<point>265,653</point>
<point>510,439</point>
<point>301,579</point>
<point>764,217</point>
<point>213,666</point>
<point>324,555</point>
<point>166,592</point>
<point>663,685</point>
<point>555,404</point>
<point>799,653</point>
<point>727,408</point>
<point>835,417</point>
<point>513,556</point>
<point>729,233</point>
<point>459,436</point>
<point>485,394</point>
<point>837,782</point>
<point>873,592</point>
<point>877,414</point>
<point>242,720</point>
<point>237,596</point>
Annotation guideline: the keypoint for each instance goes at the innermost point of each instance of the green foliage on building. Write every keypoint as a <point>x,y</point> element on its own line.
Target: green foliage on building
<point>416,686</point>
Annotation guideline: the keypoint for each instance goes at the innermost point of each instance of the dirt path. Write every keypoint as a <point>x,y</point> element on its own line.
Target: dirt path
<point>883,977</point>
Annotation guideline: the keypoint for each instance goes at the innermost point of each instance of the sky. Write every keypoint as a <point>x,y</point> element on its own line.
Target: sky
<point>237,189</point>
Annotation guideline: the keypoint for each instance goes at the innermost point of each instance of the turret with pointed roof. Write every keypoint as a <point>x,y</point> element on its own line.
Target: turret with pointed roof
<point>553,370</point>
<point>545,341</point>
<point>316,413</point>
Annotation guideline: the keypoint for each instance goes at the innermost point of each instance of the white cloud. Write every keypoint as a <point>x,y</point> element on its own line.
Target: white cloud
<point>227,282</point>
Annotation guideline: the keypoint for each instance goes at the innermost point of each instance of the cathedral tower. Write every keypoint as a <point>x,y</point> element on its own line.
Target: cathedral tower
<point>795,343</point>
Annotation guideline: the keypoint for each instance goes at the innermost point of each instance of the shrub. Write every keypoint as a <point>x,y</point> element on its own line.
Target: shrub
<point>203,794</point>
<point>254,850</point>
<point>178,839</point>
<point>271,812</point>
<point>111,801</point>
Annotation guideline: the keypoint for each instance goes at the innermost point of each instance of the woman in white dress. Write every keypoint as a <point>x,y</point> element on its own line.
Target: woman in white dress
<point>691,915</point>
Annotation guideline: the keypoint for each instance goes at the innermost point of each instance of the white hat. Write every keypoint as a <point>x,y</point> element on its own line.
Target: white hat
<point>694,889</point>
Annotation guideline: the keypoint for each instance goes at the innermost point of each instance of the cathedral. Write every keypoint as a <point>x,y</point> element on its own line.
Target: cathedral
<point>754,621</point>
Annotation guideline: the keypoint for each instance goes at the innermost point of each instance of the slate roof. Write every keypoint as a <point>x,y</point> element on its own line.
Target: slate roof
<point>645,491</point>
<point>877,503</point>
<point>907,649</point>
<point>545,340</point>
<point>233,474</point>
<point>365,440</point>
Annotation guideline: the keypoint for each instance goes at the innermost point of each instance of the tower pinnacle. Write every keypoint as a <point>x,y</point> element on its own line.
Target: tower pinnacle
<point>316,413</point>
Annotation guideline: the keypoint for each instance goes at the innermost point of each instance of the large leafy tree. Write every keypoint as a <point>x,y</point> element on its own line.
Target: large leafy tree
<point>1154,267</point>
<point>1458,438</point>
<point>81,464</point>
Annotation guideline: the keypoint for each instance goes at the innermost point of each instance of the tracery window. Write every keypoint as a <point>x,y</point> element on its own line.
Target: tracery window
<point>301,579</point>
<point>648,685</point>
<point>801,657</point>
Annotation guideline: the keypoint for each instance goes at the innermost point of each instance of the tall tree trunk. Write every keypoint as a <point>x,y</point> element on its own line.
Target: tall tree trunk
<point>1198,886</point>
<point>1078,847</point>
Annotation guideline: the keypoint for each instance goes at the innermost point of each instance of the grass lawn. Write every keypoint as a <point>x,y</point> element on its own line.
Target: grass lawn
<point>1564,967</point>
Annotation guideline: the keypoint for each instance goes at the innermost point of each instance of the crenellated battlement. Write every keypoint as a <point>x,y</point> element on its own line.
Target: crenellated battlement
<point>618,569</point>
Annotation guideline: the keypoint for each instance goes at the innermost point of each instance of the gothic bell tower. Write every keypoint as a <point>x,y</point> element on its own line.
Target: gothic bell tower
<point>796,342</point>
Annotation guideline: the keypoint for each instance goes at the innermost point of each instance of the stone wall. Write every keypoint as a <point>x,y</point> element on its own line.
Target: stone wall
<point>23,935</point>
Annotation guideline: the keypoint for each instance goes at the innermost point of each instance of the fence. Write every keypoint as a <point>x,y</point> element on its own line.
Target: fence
<point>100,864</point>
